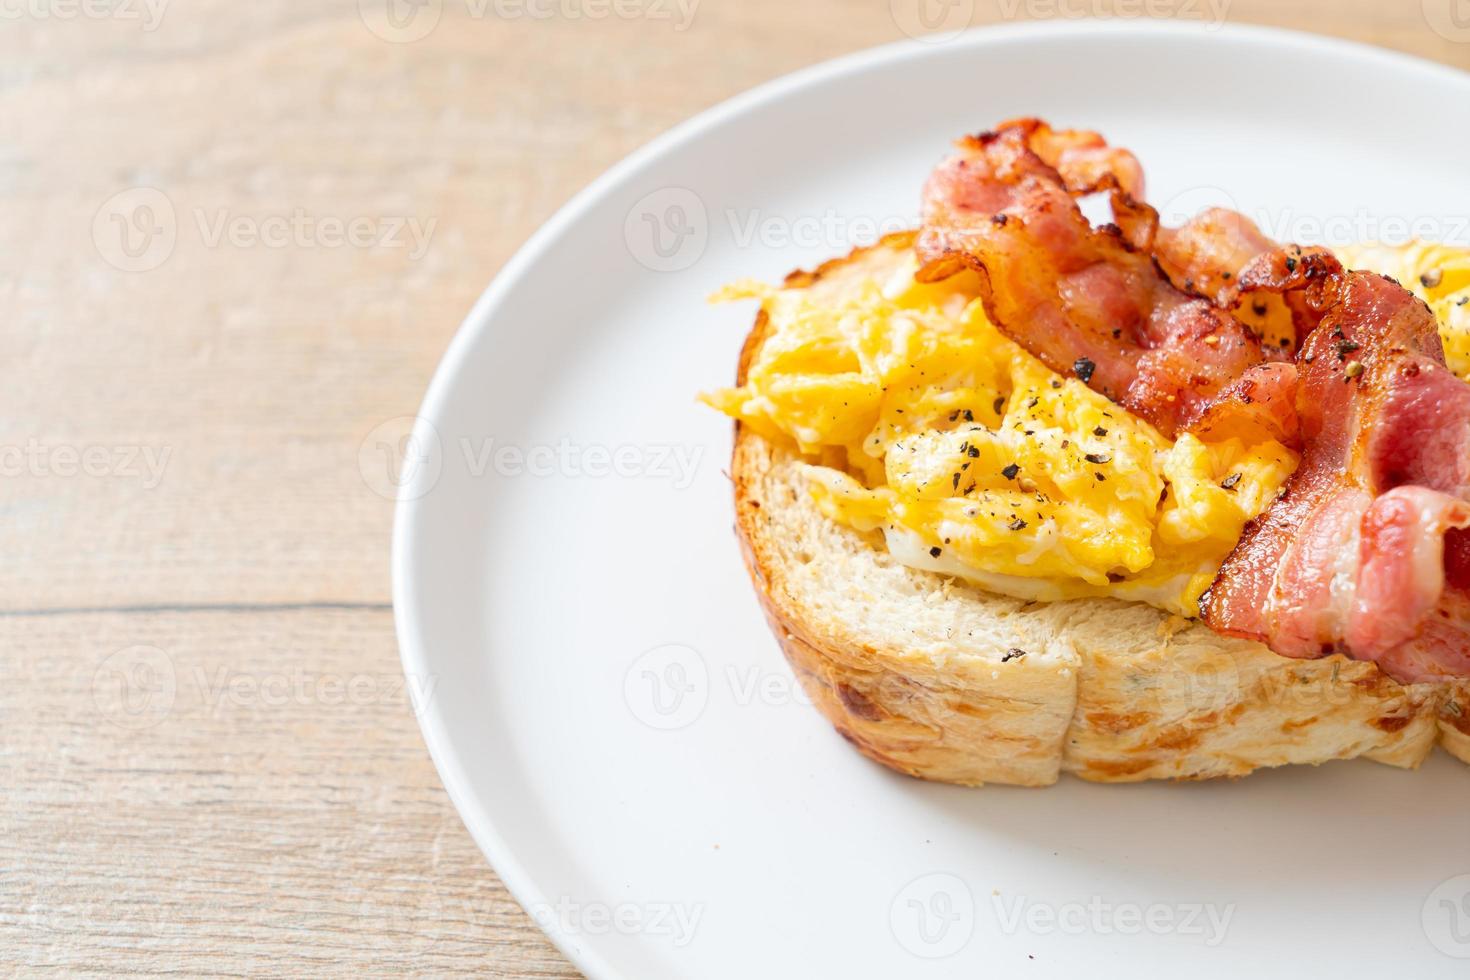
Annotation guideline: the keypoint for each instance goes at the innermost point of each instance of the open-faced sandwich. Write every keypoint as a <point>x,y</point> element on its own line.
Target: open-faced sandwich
<point>1022,496</point>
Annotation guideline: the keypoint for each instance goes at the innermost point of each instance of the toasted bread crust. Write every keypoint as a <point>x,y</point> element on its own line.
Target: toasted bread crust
<point>1109,691</point>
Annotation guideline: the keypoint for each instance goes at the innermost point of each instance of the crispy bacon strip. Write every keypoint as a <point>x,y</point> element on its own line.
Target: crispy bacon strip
<point>1366,550</point>
<point>1083,159</point>
<point>1257,406</point>
<point>1207,254</point>
<point>1090,302</point>
<point>1210,253</point>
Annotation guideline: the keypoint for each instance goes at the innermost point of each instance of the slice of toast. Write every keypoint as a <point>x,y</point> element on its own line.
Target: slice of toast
<point>943,681</point>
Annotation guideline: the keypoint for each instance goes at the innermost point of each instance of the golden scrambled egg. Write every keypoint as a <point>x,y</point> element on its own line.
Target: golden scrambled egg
<point>923,422</point>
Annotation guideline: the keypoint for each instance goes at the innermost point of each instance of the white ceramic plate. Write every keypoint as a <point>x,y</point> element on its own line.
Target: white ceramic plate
<point>607,708</point>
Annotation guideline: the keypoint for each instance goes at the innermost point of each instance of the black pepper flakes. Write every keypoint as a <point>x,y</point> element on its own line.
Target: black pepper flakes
<point>1231,482</point>
<point>1010,471</point>
<point>1017,524</point>
<point>1099,458</point>
<point>999,220</point>
<point>936,552</point>
<point>1099,432</point>
<point>1084,368</point>
<point>973,452</point>
<point>1000,403</point>
<point>1014,653</point>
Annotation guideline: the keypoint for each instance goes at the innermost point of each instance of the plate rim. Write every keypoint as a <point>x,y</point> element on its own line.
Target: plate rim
<point>413,652</point>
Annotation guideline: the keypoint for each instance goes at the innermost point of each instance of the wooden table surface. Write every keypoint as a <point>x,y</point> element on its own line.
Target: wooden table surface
<point>236,239</point>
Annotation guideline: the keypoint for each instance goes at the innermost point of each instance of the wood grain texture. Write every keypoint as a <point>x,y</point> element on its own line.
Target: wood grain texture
<point>179,477</point>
